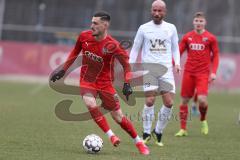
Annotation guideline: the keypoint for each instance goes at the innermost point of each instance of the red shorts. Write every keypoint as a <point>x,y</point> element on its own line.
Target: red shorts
<point>192,82</point>
<point>104,90</point>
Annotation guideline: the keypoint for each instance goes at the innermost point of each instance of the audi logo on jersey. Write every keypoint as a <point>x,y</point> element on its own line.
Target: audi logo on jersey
<point>93,56</point>
<point>197,46</point>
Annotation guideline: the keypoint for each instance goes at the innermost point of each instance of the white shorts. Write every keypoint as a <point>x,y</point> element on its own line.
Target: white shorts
<point>157,83</point>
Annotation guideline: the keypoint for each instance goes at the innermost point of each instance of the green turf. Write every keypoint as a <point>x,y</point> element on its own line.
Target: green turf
<point>30,130</point>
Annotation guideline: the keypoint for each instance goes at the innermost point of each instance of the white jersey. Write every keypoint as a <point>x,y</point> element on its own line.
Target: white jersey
<point>159,44</point>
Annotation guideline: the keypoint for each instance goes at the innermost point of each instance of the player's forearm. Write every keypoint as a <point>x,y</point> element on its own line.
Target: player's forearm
<point>182,48</point>
<point>134,52</point>
<point>127,72</point>
<point>176,54</point>
<point>123,59</point>
<point>215,58</point>
<point>71,58</point>
<point>215,63</point>
<point>74,53</point>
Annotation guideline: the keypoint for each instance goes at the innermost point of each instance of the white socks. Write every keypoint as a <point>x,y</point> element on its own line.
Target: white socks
<point>164,116</point>
<point>147,117</point>
<point>109,133</point>
<point>137,139</point>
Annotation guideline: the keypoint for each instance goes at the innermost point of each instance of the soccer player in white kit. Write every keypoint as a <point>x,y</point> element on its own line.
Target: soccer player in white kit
<point>158,41</point>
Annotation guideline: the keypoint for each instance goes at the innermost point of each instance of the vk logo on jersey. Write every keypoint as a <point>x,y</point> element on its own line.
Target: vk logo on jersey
<point>196,46</point>
<point>158,45</point>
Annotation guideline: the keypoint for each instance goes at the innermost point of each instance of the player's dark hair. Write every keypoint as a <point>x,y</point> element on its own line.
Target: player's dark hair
<point>199,14</point>
<point>103,15</point>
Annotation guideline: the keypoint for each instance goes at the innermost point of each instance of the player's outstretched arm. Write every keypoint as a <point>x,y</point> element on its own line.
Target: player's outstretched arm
<point>123,58</point>
<point>71,58</point>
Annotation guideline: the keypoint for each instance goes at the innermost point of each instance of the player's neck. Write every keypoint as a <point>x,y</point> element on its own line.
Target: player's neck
<point>200,31</point>
<point>101,37</point>
<point>157,22</point>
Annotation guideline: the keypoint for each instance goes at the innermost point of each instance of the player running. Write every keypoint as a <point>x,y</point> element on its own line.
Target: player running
<point>99,50</point>
<point>158,41</point>
<point>200,70</point>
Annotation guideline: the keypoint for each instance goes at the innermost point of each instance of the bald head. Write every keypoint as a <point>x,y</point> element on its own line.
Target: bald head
<point>158,11</point>
<point>159,3</point>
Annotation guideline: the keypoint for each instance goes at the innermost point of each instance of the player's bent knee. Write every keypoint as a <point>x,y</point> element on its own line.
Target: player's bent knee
<point>91,107</point>
<point>168,102</point>
<point>149,104</point>
<point>168,105</point>
<point>150,101</point>
<point>185,101</point>
<point>203,103</point>
<point>117,116</point>
<point>89,100</point>
<point>202,100</point>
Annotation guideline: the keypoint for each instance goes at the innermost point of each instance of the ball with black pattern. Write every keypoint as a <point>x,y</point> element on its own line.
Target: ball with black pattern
<point>92,143</point>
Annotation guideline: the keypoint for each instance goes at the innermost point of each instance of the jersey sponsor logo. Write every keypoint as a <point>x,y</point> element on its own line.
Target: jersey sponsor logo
<point>196,46</point>
<point>93,56</point>
<point>205,39</point>
<point>158,45</point>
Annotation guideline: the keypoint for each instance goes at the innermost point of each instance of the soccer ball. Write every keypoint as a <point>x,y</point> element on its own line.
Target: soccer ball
<point>92,143</point>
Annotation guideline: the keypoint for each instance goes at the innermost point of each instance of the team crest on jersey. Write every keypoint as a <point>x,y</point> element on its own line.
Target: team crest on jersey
<point>109,47</point>
<point>205,39</point>
<point>190,38</point>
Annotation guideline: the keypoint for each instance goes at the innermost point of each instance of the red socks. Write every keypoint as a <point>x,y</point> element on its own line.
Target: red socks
<point>128,127</point>
<point>102,123</point>
<point>203,112</point>
<point>99,119</point>
<point>183,116</point>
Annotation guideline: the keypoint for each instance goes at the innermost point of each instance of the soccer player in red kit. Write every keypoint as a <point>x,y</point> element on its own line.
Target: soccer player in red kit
<point>99,51</point>
<point>200,70</point>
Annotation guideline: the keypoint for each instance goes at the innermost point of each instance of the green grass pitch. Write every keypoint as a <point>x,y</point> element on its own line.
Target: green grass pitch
<point>29,129</point>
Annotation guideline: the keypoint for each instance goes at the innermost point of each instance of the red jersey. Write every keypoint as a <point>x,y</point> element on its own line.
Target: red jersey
<point>98,57</point>
<point>202,49</point>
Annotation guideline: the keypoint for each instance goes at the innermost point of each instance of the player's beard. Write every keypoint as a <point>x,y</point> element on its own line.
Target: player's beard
<point>95,33</point>
<point>157,19</point>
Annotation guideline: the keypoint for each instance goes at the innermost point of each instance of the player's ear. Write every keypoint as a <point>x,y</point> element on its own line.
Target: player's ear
<point>166,11</point>
<point>106,24</point>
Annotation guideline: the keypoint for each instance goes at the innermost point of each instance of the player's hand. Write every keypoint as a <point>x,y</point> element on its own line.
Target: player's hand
<point>127,90</point>
<point>213,77</point>
<point>177,69</point>
<point>57,75</point>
